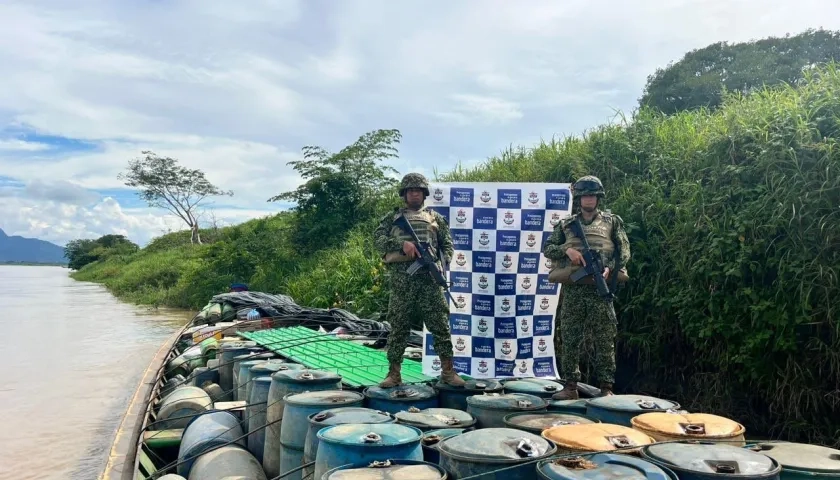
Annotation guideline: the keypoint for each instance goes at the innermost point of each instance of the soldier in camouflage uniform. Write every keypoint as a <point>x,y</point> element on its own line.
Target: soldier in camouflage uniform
<point>582,308</point>
<point>415,296</point>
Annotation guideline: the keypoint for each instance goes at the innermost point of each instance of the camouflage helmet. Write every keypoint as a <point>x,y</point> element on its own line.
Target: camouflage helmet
<point>414,180</point>
<point>588,185</point>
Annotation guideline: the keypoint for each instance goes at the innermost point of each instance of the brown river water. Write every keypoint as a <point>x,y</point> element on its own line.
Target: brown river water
<point>73,355</point>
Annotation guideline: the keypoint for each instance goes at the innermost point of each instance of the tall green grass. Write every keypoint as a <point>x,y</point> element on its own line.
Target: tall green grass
<point>735,236</point>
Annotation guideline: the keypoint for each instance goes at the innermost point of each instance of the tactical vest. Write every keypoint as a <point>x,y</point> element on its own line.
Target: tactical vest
<point>425,226</point>
<point>599,236</point>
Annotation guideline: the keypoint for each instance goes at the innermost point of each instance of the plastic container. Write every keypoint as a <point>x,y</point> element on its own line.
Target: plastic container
<point>801,461</point>
<point>577,407</point>
<point>482,451</point>
<point>387,470</point>
<point>229,351</point>
<point>665,427</point>
<point>533,386</point>
<point>432,439</point>
<point>267,369</point>
<point>602,466</point>
<point>255,414</point>
<point>619,409</point>
<point>436,418</point>
<point>490,409</point>
<point>346,444</point>
<point>537,422</point>
<point>228,462</point>
<point>456,397</point>
<point>179,407</point>
<point>400,398</point>
<point>710,461</point>
<point>596,437</point>
<point>206,431</point>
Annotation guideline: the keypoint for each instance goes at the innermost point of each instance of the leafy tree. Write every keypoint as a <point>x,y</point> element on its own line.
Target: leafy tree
<point>78,251</point>
<point>340,189</point>
<point>81,252</point>
<point>165,184</point>
<point>701,76</point>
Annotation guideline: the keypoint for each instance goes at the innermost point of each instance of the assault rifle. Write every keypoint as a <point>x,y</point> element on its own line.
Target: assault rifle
<point>427,258</point>
<point>595,267</point>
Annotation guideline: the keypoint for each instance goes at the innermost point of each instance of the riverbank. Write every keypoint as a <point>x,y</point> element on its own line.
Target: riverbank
<point>733,222</point>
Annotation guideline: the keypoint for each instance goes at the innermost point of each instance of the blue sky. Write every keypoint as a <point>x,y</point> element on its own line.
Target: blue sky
<point>238,90</point>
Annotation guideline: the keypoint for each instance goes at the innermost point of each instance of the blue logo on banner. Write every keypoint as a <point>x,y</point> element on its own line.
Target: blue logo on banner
<point>483,305</point>
<point>505,327</point>
<point>557,199</point>
<point>461,197</point>
<point>532,219</point>
<point>524,305</point>
<point>460,324</point>
<point>543,367</point>
<point>483,347</point>
<point>542,325</point>
<point>462,239</point>
<point>430,348</point>
<point>510,198</point>
<point>529,263</point>
<point>484,262</point>
<point>544,287</point>
<point>484,218</point>
<point>461,282</point>
<point>507,241</point>
<point>444,211</point>
<point>526,348</point>
<point>504,368</point>
<point>462,364</point>
<point>505,284</point>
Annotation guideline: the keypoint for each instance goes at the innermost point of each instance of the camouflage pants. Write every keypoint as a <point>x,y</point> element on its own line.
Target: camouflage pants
<point>416,299</point>
<point>582,312</point>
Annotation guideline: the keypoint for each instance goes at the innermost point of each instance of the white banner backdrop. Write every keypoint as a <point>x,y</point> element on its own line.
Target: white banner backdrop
<point>502,321</point>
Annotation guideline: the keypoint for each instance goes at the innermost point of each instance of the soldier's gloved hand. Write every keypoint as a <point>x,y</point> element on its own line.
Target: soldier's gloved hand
<point>575,256</point>
<point>410,250</point>
<point>606,272</point>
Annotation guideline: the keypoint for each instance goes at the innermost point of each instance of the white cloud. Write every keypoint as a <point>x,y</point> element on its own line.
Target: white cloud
<point>238,90</point>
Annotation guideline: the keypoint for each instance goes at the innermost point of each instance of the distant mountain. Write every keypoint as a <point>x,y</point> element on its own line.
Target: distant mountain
<point>29,250</point>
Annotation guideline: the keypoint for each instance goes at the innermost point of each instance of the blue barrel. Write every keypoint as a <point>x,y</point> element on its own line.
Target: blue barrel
<point>230,350</point>
<point>602,466</point>
<point>336,416</point>
<point>456,397</point>
<point>205,431</point>
<point>537,422</point>
<point>801,461</point>
<point>255,415</point>
<point>392,469</point>
<point>577,407</point>
<point>700,460</point>
<point>243,376</point>
<point>204,374</point>
<point>436,418</point>
<point>284,382</point>
<point>432,439</point>
<point>179,407</point>
<point>298,407</point>
<point>266,369</point>
<point>538,387</point>
<point>237,368</point>
<point>490,409</point>
<point>485,450</point>
<point>342,444</point>
<point>230,461</point>
<point>400,398</point>
<point>620,409</point>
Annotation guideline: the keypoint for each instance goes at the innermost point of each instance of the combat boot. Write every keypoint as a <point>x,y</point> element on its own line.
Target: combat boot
<point>394,378</point>
<point>569,392</point>
<point>449,375</point>
<point>606,389</point>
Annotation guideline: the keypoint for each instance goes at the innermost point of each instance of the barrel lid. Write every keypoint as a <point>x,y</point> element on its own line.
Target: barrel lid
<point>708,457</point>
<point>596,437</point>
<point>433,437</point>
<point>372,435</point>
<point>507,401</point>
<point>401,393</point>
<point>238,344</point>
<point>262,380</point>
<point>541,421</point>
<point>533,386</point>
<point>569,405</point>
<point>601,465</point>
<point>386,470</point>
<point>633,403</point>
<point>435,418</point>
<point>472,386</point>
<point>314,377</point>
<point>274,365</point>
<point>802,456</point>
<point>497,444</point>
<point>340,415</point>
<point>699,425</point>
<point>327,398</point>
